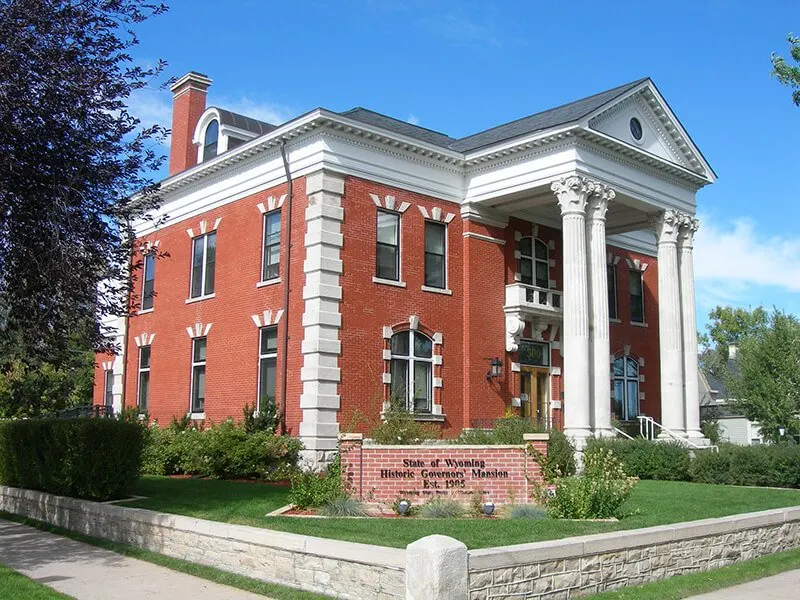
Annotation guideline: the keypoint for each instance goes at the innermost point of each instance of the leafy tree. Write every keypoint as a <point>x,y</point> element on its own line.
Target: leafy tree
<point>728,326</point>
<point>789,74</point>
<point>767,387</point>
<point>73,171</point>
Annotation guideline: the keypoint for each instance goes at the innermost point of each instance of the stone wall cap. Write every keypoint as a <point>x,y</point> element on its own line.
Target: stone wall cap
<point>417,447</point>
<point>536,437</point>
<point>351,437</point>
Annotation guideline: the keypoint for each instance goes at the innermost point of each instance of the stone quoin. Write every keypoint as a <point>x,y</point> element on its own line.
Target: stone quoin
<point>342,259</point>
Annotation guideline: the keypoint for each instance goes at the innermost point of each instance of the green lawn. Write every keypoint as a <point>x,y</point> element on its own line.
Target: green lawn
<point>16,586</point>
<point>652,503</point>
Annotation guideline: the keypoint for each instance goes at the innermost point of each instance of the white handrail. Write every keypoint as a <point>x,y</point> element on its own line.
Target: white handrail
<point>619,431</point>
<point>649,424</point>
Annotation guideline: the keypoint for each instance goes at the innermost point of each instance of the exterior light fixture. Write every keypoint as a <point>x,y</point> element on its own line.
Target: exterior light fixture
<point>495,370</point>
<point>403,506</point>
<point>488,508</point>
<point>782,430</point>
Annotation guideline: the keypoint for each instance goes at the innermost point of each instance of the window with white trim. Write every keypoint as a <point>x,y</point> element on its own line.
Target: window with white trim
<point>637,296</point>
<point>108,387</point>
<point>204,258</point>
<point>143,391</point>
<point>611,274</point>
<point>534,265</point>
<point>387,250</point>
<point>412,370</point>
<point>148,280</point>
<point>267,366</point>
<point>211,140</point>
<point>625,371</point>
<point>198,401</point>
<point>271,256</point>
<point>435,255</point>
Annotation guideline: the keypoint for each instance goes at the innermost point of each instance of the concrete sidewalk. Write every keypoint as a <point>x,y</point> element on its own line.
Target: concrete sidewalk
<point>783,586</point>
<point>89,573</point>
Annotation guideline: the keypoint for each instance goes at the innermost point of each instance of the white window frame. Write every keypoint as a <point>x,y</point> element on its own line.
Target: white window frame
<point>108,387</point>
<point>446,269</point>
<point>625,379</point>
<point>195,364</point>
<point>267,215</point>
<point>203,292</point>
<point>205,144</point>
<point>410,372</point>
<point>143,370</point>
<point>640,274</point>
<point>261,357</point>
<point>611,268</point>
<point>399,217</point>
<point>148,256</point>
<point>534,260</point>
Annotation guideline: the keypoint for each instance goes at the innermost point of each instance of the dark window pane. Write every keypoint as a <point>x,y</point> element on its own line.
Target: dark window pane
<point>542,275</point>
<point>434,270</point>
<point>388,228</point>
<point>611,273</point>
<point>618,367</point>
<point>422,387</point>
<point>211,140</point>
<point>387,262</point>
<point>619,399</point>
<point>637,299</point>
<point>269,340</point>
<point>109,387</point>
<point>541,250</point>
<point>272,246</point>
<point>631,368</point>
<point>434,238</point>
<point>526,271</point>
<point>211,260</point>
<point>197,267</point>
<point>525,248</point>
<point>198,388</point>
<point>399,371</point>
<point>266,382</point>
<point>423,346</point>
<point>144,357</point>
<point>632,400</point>
<point>400,343</point>
<point>199,354</point>
<point>149,273</point>
<point>144,390</point>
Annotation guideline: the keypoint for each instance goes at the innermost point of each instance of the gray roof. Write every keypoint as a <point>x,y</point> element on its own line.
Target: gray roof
<point>233,119</point>
<point>548,119</point>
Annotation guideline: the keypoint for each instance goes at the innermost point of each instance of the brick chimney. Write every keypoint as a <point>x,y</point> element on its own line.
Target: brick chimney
<point>188,104</point>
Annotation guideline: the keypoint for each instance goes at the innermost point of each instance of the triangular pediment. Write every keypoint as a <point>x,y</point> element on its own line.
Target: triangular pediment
<point>643,120</point>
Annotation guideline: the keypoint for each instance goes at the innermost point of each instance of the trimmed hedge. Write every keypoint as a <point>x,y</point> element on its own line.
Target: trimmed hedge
<point>665,461</point>
<point>95,459</point>
<point>224,451</point>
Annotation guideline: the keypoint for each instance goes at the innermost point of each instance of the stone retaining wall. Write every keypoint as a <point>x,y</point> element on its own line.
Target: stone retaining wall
<point>345,569</point>
<point>573,567</point>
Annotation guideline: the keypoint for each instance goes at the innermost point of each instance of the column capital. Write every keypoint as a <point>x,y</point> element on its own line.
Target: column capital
<point>689,226</point>
<point>666,226</point>
<point>598,202</point>
<point>573,192</point>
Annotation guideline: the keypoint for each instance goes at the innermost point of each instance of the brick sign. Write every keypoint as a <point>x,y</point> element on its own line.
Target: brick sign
<point>385,473</point>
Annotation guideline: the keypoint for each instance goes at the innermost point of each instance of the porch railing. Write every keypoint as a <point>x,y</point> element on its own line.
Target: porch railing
<point>647,429</point>
<point>89,410</point>
<point>520,294</point>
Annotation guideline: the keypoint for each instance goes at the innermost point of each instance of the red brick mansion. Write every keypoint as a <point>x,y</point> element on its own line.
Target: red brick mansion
<point>339,259</point>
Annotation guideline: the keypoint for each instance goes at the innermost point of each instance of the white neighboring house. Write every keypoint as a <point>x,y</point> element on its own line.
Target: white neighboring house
<point>715,403</point>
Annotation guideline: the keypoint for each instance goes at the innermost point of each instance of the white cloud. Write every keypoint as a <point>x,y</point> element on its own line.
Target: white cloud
<point>263,111</point>
<point>414,120</point>
<point>152,107</point>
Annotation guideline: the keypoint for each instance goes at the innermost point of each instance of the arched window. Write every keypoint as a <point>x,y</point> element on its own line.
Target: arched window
<point>412,370</point>
<point>534,266</point>
<point>210,141</point>
<point>625,371</point>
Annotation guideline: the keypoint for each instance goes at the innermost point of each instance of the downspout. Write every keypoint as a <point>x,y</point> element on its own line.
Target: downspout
<point>127,319</point>
<point>286,274</point>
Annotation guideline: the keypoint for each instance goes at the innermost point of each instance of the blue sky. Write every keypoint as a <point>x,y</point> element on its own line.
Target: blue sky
<point>460,67</point>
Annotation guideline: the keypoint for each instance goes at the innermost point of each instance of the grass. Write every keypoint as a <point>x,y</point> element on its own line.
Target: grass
<point>270,590</point>
<point>652,503</point>
<point>16,586</point>
<point>683,586</point>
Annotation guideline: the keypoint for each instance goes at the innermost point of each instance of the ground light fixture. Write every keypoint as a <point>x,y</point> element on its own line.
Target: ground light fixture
<point>403,507</point>
<point>488,508</point>
<point>495,370</point>
<point>781,430</point>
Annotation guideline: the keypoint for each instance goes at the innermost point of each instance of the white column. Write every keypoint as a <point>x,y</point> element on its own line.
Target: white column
<point>691,396</point>
<point>322,319</point>
<point>600,346</point>
<point>573,193</point>
<point>670,329</point>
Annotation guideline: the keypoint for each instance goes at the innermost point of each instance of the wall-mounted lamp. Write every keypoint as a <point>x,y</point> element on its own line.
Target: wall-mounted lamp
<point>495,370</point>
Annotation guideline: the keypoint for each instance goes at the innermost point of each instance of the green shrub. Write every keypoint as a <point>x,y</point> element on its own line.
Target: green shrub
<point>442,508</point>
<point>313,489</point>
<point>765,465</point>
<point>598,494</point>
<point>95,459</point>
<point>645,459</point>
<point>525,511</point>
<point>560,459</point>
<point>507,431</point>
<point>342,506</point>
<point>267,418</point>
<point>400,428</point>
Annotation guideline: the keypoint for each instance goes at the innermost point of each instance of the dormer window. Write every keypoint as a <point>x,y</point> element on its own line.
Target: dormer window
<point>210,141</point>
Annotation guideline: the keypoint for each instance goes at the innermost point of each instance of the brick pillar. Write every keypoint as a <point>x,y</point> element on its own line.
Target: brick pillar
<point>351,446</point>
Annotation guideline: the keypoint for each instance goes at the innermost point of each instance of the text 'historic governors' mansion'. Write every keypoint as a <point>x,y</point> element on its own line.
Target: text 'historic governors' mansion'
<point>341,259</point>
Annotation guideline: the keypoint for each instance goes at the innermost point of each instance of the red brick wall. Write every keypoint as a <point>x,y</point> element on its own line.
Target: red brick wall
<point>187,108</point>
<point>232,361</point>
<point>417,473</point>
